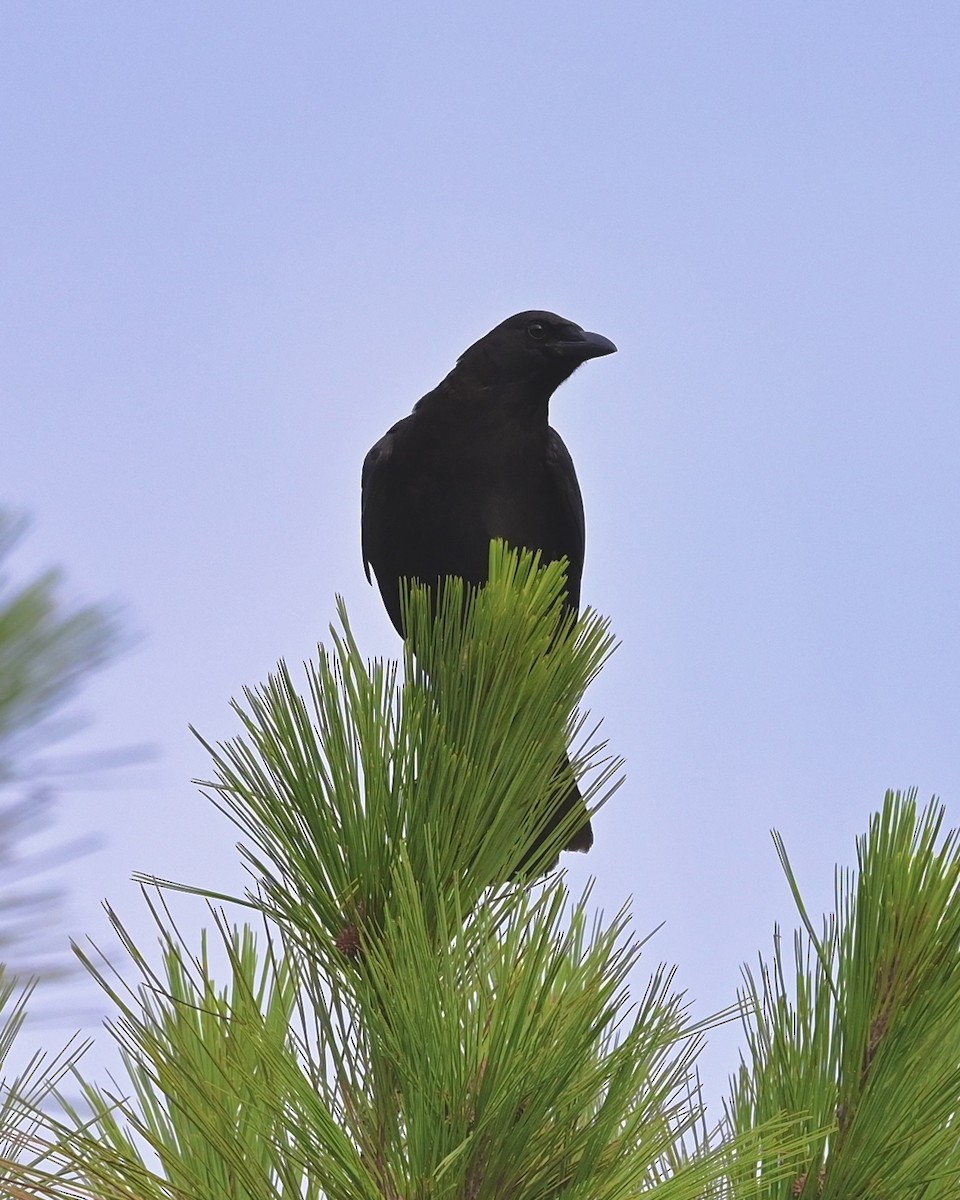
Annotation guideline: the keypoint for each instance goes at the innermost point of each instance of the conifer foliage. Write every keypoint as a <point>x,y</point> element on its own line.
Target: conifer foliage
<point>414,1010</point>
<point>860,1034</point>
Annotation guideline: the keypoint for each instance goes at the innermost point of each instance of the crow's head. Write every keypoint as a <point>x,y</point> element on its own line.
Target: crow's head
<point>534,348</point>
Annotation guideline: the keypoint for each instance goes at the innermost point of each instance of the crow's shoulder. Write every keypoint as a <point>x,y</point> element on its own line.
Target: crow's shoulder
<point>381,452</point>
<point>373,478</point>
<point>568,511</point>
<point>562,471</point>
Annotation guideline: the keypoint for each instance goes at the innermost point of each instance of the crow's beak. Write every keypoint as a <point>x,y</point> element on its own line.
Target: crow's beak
<point>583,345</point>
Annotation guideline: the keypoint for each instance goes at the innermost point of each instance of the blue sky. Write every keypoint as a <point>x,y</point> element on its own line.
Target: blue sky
<point>237,241</point>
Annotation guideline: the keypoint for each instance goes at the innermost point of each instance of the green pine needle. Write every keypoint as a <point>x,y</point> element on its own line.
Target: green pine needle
<point>859,1040</point>
<point>408,1021</point>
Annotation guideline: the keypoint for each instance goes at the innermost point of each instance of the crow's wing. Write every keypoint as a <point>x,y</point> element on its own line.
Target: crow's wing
<point>569,511</point>
<point>373,501</point>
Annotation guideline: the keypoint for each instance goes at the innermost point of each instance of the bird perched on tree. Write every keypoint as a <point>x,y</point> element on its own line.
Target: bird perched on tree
<point>476,460</point>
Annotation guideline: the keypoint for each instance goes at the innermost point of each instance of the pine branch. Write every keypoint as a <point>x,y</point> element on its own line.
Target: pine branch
<point>860,1040</point>
<point>474,1037</point>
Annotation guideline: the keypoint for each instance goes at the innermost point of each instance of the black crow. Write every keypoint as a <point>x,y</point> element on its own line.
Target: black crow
<point>478,460</point>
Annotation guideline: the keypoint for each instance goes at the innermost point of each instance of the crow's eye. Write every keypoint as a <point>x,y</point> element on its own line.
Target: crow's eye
<point>537,331</point>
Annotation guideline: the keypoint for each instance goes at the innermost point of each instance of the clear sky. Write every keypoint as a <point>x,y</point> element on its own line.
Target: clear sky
<point>238,240</point>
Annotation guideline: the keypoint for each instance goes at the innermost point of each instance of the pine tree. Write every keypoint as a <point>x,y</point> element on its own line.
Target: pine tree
<point>412,1011</point>
<point>48,648</point>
